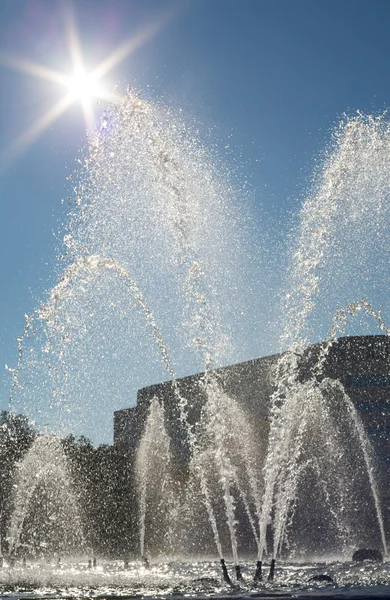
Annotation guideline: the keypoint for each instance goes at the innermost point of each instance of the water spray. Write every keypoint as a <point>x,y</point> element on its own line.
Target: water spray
<point>145,562</point>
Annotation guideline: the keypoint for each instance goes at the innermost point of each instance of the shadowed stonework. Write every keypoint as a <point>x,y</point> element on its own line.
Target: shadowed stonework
<point>359,364</point>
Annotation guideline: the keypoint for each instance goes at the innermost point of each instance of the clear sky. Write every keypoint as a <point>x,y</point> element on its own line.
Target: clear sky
<point>270,78</point>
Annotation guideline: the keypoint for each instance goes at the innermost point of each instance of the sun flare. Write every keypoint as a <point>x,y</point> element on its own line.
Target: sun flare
<point>83,86</point>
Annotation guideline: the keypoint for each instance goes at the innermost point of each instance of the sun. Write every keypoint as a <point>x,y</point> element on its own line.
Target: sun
<point>82,86</point>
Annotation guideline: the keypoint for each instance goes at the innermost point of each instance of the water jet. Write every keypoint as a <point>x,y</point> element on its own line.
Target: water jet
<point>246,481</point>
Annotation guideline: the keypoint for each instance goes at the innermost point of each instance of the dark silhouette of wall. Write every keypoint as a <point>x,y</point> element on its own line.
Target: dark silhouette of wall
<point>361,364</point>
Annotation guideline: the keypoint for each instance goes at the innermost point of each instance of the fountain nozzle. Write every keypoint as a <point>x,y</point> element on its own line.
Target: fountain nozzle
<point>226,577</point>
<point>239,576</point>
<point>258,575</point>
<point>146,562</point>
<point>272,570</point>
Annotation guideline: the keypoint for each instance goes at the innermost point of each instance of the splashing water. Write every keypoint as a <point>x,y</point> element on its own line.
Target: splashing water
<point>154,202</point>
<point>43,479</point>
<point>178,203</point>
<point>346,211</point>
<point>154,478</point>
<point>227,456</point>
<point>90,267</point>
<point>151,204</point>
<point>150,198</point>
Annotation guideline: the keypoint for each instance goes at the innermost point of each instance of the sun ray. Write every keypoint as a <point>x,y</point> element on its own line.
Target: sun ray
<point>31,68</point>
<point>14,150</point>
<point>80,86</point>
<point>125,50</point>
<point>73,37</point>
<point>89,115</point>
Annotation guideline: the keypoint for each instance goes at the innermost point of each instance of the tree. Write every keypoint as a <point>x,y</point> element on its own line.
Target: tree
<point>104,485</point>
<point>16,437</point>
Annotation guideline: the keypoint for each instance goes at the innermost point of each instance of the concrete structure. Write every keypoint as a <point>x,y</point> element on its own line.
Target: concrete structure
<point>360,364</point>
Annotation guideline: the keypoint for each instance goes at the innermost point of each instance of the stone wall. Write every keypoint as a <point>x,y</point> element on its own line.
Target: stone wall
<point>360,364</point>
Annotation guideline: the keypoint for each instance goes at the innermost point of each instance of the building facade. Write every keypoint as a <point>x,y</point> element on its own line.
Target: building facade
<point>360,364</point>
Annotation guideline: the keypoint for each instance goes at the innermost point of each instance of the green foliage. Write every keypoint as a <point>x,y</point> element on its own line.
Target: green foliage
<point>102,479</point>
<point>16,437</point>
<point>104,485</point>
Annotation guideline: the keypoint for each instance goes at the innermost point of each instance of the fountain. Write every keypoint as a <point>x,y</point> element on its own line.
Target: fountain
<point>157,499</point>
<point>351,175</point>
<point>45,517</point>
<point>152,233</point>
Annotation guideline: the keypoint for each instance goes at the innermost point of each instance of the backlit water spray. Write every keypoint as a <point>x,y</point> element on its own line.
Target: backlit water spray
<point>152,229</point>
<point>43,478</point>
<point>348,209</point>
<point>171,206</point>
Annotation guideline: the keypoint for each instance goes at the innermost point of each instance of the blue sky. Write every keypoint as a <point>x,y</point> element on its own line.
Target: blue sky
<point>270,79</point>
